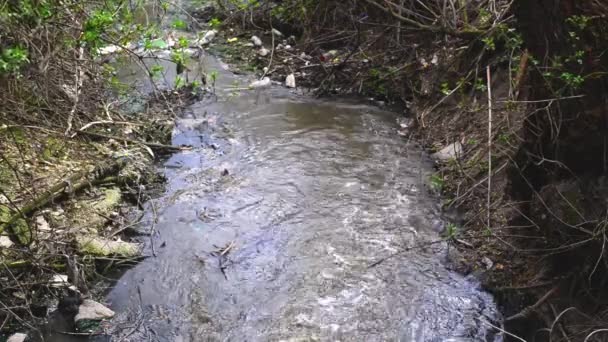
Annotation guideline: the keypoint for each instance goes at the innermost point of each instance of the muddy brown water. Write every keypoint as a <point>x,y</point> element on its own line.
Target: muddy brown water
<point>307,194</point>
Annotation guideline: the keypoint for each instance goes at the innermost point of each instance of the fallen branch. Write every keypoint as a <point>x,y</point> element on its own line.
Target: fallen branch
<point>74,183</point>
<point>131,141</point>
<point>529,309</point>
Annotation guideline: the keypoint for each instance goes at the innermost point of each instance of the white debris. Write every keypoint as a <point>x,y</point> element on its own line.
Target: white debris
<point>277,32</point>
<point>59,280</point>
<point>290,81</point>
<point>207,38</point>
<point>256,41</point>
<point>452,151</point>
<point>91,310</point>
<point>263,52</point>
<point>5,242</point>
<point>42,224</point>
<point>108,49</point>
<point>263,83</point>
<point>18,337</point>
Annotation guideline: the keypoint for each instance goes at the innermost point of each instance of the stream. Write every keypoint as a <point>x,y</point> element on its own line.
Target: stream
<point>270,225</point>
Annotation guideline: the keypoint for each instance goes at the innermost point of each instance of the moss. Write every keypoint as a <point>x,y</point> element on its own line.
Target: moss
<point>20,229</point>
<point>54,148</point>
<point>111,200</point>
<point>97,246</point>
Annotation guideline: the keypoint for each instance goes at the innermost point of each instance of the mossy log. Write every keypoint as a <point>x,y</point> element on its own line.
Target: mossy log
<point>75,183</point>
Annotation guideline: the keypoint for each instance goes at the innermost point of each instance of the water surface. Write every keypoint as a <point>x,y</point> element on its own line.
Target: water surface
<point>306,194</point>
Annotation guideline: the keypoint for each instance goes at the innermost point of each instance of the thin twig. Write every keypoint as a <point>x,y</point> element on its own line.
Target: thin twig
<point>489,86</point>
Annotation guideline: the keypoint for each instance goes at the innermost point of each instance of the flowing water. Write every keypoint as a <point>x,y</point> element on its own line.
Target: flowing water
<point>270,225</point>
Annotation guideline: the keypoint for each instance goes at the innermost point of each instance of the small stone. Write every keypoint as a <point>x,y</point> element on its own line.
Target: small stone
<point>263,52</point>
<point>290,81</point>
<point>287,47</point>
<point>18,337</point>
<point>263,83</point>
<point>280,47</point>
<point>5,242</point>
<point>106,50</point>
<point>277,32</point>
<point>207,38</point>
<point>93,311</point>
<point>452,151</point>
<point>256,41</point>
<point>487,263</point>
<point>42,224</point>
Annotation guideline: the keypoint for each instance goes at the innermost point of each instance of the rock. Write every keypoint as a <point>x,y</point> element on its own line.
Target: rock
<point>263,83</point>
<point>288,47</point>
<point>263,52</point>
<point>18,337</point>
<point>452,151</point>
<point>290,81</point>
<point>256,41</point>
<point>277,32</point>
<point>5,242</point>
<point>207,38</point>
<point>98,246</point>
<point>108,49</point>
<point>42,224</point>
<point>90,310</point>
<point>487,262</point>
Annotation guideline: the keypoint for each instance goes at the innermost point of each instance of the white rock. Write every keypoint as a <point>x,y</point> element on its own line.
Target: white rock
<point>263,52</point>
<point>42,224</point>
<point>287,47</point>
<point>290,81</point>
<point>452,151</point>
<point>263,83</point>
<point>3,199</point>
<point>18,337</point>
<point>277,32</point>
<point>256,41</point>
<point>106,50</point>
<point>5,242</point>
<point>91,310</point>
<point>207,38</point>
